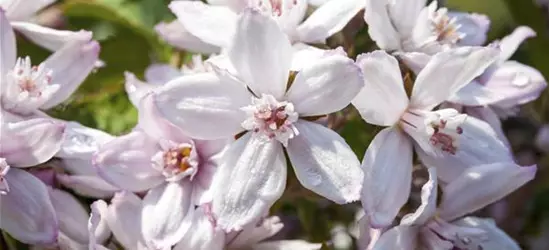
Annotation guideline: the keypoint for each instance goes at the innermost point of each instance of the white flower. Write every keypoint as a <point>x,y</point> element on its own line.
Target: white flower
<point>442,138</point>
<point>442,226</point>
<point>253,173</point>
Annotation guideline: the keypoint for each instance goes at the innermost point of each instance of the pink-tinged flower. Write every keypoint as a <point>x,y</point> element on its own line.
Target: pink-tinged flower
<point>411,26</point>
<point>208,28</point>
<point>175,169</point>
<point>270,116</point>
<point>443,227</point>
<point>442,138</point>
<point>26,212</point>
<point>26,88</point>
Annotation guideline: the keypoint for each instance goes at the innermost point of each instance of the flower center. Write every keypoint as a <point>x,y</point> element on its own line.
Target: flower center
<point>276,7</point>
<point>445,28</point>
<point>272,119</point>
<point>4,168</point>
<point>177,162</point>
<point>31,80</point>
<point>445,136</point>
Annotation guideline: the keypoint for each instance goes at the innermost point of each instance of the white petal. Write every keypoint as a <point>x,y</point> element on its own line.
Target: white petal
<point>475,94</point>
<point>324,163</point>
<point>415,61</point>
<point>49,38</point>
<point>474,26</point>
<point>398,238</point>
<point>212,24</point>
<point>489,116</point>
<point>261,53</point>
<point>167,214</point>
<point>70,65</point>
<point>81,142</point>
<point>22,10</point>
<point>72,216</point>
<point>88,186</point>
<point>387,167</point>
<point>478,144</point>
<point>380,26</point>
<point>447,72</point>
<point>7,46</point>
<point>136,89</point>
<point>428,205</point>
<point>124,219</point>
<point>251,179</point>
<point>203,236</point>
<point>26,211</point>
<point>305,55</point>
<point>155,125</point>
<point>287,245</point>
<point>495,237</point>
<point>252,233</point>
<point>327,20</point>
<point>510,43</point>
<point>175,34</point>
<point>30,142</point>
<point>480,186</point>
<point>161,73</point>
<point>98,229</point>
<point>196,103</point>
<point>403,14</point>
<point>325,87</point>
<point>126,162</point>
<point>383,99</point>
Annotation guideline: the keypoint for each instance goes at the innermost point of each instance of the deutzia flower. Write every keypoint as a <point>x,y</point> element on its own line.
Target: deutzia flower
<point>409,25</point>
<point>26,212</point>
<point>209,27</point>
<point>27,88</point>
<point>441,226</point>
<point>268,116</point>
<point>442,138</point>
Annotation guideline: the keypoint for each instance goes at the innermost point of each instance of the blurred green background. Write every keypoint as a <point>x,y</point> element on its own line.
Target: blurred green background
<point>125,30</point>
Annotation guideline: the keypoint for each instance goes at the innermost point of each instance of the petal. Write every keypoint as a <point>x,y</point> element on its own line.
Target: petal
<point>81,142</point>
<point>261,53</point>
<point>204,235</point>
<point>305,55</point>
<point>489,116</point>
<point>214,25</point>
<point>324,163</point>
<point>474,26</point>
<point>49,38</point>
<point>428,206</point>
<point>126,162</point>
<point>480,186</point>
<point>287,245</point>
<point>325,87</point>
<point>253,233</point>
<point>124,219</point>
<point>398,238</point>
<point>161,73</point>
<point>72,216</point>
<point>7,46</point>
<point>327,20</point>
<point>495,237</point>
<point>515,84</point>
<point>387,179</point>
<point>88,186</point>
<point>136,89</point>
<point>380,26</point>
<point>175,34</point>
<point>447,72</point>
<point>474,94</point>
<point>30,142</point>
<point>196,103</point>
<point>70,65</point>
<point>26,211</point>
<point>98,230</point>
<point>383,99</point>
<point>167,214</point>
<point>403,15</point>
<point>415,61</point>
<point>478,144</point>
<point>155,125</point>
<point>22,10</point>
<point>251,179</point>
<point>509,44</point>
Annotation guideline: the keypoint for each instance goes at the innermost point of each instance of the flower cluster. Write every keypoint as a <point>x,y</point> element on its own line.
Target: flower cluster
<point>211,151</point>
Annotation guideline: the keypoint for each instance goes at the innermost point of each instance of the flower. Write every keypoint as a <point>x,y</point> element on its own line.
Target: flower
<point>209,27</point>
<point>411,26</point>
<point>442,226</point>
<point>442,138</point>
<point>27,88</point>
<point>25,208</point>
<point>253,171</point>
